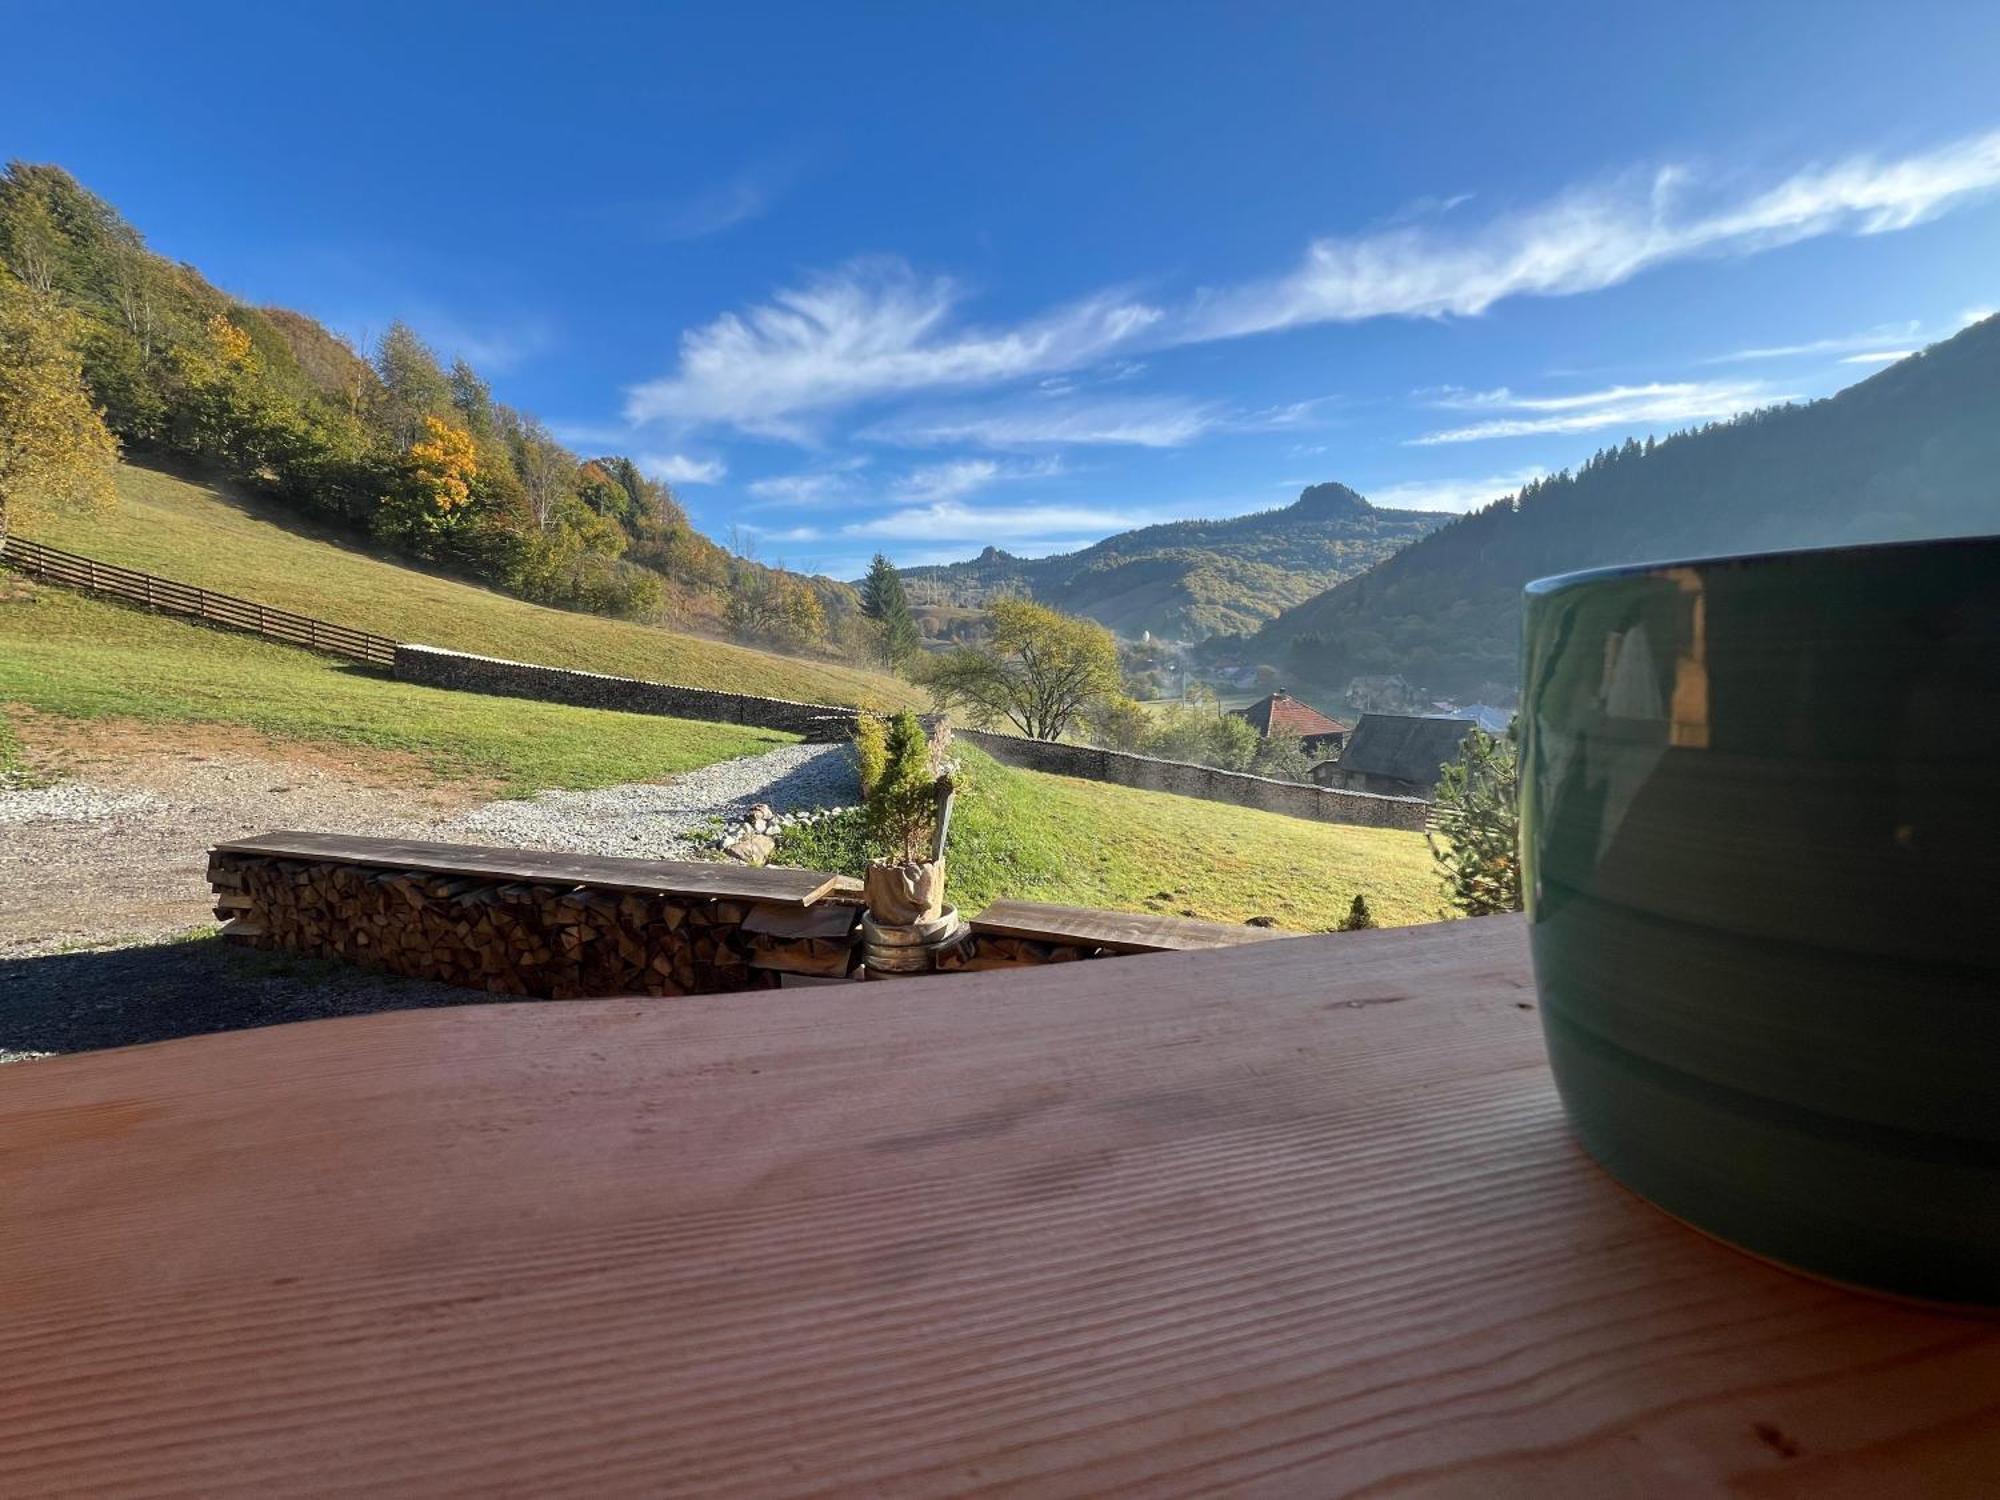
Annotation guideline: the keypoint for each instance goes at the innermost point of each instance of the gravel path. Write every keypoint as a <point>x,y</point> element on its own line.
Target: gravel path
<point>673,820</point>
<point>70,802</point>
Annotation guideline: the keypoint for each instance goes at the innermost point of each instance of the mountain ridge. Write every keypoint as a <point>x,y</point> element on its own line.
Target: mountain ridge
<point>1196,578</point>
<point>1911,451</point>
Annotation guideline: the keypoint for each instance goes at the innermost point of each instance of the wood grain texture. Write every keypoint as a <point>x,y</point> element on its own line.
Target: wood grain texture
<point>1125,931</point>
<point>723,881</point>
<point>1300,1218</point>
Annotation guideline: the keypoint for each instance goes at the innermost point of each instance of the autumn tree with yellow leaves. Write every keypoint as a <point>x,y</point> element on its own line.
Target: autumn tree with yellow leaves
<point>431,507</point>
<point>54,447</point>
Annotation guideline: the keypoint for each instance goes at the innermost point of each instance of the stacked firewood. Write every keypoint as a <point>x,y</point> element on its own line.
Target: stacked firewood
<point>821,941</point>
<point>992,950</point>
<point>513,938</point>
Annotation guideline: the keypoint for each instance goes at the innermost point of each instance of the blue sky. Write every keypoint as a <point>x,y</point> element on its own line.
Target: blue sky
<point>924,278</point>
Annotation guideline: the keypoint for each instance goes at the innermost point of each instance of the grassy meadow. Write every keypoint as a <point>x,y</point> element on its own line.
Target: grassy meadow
<point>213,538</point>
<point>77,657</point>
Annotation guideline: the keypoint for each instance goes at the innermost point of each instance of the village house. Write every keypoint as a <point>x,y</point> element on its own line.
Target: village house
<point>1281,715</point>
<point>1395,755</point>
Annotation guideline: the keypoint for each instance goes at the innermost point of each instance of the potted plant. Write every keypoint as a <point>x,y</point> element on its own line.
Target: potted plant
<point>907,794</point>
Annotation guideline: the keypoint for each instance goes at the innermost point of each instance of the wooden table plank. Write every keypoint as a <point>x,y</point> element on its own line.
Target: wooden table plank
<point>1126,932</point>
<point>1294,1219</point>
<point>723,880</point>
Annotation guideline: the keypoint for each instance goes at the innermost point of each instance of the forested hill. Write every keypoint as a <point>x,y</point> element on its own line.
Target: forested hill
<point>1191,579</point>
<point>1913,451</point>
<point>415,460</point>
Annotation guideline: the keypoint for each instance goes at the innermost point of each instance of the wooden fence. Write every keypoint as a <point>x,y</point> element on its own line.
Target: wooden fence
<point>169,597</point>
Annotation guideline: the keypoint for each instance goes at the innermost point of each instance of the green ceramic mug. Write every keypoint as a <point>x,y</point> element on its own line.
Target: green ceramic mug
<point>1761,842</point>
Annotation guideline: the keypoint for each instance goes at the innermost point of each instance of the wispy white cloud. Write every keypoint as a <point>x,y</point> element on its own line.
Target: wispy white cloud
<point>1878,357</point>
<point>1871,338</point>
<point>870,329</point>
<point>1451,494</point>
<point>830,479</point>
<point>802,489</point>
<point>1287,414</point>
<point>959,477</point>
<point>711,212</point>
<point>952,520</point>
<point>1139,421</point>
<point>875,329</point>
<point>1661,404</point>
<point>1595,237</point>
<point>679,468</point>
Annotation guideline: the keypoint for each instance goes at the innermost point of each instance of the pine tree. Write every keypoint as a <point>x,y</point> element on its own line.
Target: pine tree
<point>884,601</point>
<point>900,796</point>
<point>1359,918</point>
<point>1478,814</point>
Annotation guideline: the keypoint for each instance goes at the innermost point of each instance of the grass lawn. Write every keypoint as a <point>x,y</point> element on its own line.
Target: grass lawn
<point>208,537</point>
<point>1051,838</point>
<point>67,654</point>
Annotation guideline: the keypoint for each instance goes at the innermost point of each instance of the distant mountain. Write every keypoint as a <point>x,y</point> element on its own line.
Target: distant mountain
<point>1191,579</point>
<point>1913,451</point>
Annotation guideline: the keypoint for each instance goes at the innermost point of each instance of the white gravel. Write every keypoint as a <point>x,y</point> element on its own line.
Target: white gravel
<point>70,802</point>
<point>676,820</point>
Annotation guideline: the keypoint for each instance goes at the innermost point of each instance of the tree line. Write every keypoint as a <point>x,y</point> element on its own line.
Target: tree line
<point>417,454</point>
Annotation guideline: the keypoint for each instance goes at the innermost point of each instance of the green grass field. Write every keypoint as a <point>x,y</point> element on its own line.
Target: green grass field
<point>1051,838</point>
<point>66,654</point>
<point>208,537</point>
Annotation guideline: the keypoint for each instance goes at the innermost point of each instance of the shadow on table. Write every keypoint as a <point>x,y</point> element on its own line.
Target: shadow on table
<point>81,1002</point>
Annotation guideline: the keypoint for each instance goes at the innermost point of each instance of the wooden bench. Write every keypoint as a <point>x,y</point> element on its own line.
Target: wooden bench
<point>1296,1218</point>
<point>1117,931</point>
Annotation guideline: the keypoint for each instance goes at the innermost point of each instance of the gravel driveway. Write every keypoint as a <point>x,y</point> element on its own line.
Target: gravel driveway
<point>671,820</point>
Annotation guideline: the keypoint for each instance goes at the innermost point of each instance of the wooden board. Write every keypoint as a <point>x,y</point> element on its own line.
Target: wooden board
<point>725,881</point>
<point>1125,932</point>
<point>1298,1219</point>
<point>829,920</point>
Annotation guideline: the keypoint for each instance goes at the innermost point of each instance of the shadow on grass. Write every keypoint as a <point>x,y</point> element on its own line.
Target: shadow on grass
<point>83,1002</point>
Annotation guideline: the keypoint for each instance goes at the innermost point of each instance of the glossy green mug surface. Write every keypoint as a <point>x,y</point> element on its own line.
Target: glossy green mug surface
<point>1761,851</point>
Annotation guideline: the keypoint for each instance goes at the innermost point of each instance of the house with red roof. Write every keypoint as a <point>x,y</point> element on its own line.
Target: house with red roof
<point>1281,714</point>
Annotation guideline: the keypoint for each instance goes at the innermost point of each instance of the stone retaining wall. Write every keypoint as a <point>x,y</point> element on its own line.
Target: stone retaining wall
<point>1184,779</point>
<point>434,667</point>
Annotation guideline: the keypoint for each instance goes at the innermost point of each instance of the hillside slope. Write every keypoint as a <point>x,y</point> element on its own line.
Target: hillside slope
<point>67,656</point>
<point>1191,579</point>
<point>1913,451</point>
<point>212,537</point>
